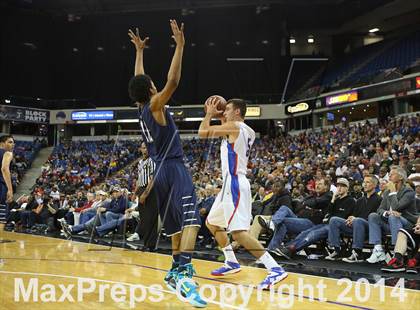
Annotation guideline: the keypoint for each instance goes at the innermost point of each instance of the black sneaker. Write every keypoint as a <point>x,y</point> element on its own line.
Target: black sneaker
<point>284,251</point>
<point>394,265</point>
<point>66,229</point>
<point>353,258</point>
<point>333,256</point>
<point>264,224</point>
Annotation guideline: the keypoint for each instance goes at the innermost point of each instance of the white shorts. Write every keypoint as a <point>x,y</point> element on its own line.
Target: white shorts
<point>233,205</point>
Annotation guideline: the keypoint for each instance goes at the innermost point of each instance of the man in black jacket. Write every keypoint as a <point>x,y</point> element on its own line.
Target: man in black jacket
<point>356,224</point>
<point>341,205</point>
<point>308,214</point>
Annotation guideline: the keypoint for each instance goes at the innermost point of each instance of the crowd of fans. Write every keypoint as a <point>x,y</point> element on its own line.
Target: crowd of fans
<point>84,165</point>
<point>24,154</point>
<point>302,185</point>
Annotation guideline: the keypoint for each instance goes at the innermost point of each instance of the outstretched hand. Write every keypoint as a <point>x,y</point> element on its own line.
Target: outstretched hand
<point>177,33</point>
<point>137,41</point>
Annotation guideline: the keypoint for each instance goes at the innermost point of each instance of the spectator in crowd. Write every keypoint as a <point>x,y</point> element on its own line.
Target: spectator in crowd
<point>356,225</point>
<point>281,197</point>
<point>341,205</point>
<point>396,211</point>
<point>115,209</point>
<point>310,212</point>
<point>209,195</point>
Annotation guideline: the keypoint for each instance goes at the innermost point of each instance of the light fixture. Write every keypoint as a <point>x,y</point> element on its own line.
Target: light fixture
<point>238,42</point>
<point>311,39</point>
<point>292,40</point>
<point>265,42</point>
<point>211,43</point>
<point>6,100</point>
<point>100,48</point>
<point>373,30</point>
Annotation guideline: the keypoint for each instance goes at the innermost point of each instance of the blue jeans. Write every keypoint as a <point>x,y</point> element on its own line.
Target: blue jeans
<point>378,225</point>
<point>109,226</point>
<point>286,221</point>
<point>81,227</point>
<point>108,216</point>
<point>310,236</point>
<point>86,216</point>
<point>357,230</point>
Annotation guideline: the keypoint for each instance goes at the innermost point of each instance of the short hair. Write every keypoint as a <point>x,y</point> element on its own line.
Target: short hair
<point>139,88</point>
<point>373,178</point>
<point>327,182</point>
<point>279,184</point>
<point>4,138</point>
<point>401,171</point>
<point>239,104</point>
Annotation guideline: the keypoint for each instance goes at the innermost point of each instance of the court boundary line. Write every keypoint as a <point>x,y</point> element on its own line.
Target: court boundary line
<point>110,281</point>
<point>203,277</point>
<point>200,277</point>
<point>167,255</point>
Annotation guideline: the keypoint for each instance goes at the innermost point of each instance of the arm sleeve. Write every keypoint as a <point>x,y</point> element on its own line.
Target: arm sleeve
<point>407,199</point>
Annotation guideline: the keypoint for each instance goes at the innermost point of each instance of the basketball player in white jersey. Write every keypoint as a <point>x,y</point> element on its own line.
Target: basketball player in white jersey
<point>231,211</point>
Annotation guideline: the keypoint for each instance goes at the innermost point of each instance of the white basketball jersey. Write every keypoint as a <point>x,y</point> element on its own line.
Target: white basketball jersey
<point>234,156</point>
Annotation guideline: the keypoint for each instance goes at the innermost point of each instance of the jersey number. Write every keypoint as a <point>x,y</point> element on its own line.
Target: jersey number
<point>248,150</point>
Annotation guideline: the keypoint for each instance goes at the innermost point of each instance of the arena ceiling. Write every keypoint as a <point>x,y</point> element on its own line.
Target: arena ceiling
<point>303,12</point>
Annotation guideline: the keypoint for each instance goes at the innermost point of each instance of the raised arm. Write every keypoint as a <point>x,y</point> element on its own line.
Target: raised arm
<point>7,158</point>
<point>159,100</point>
<point>209,132</point>
<point>140,45</point>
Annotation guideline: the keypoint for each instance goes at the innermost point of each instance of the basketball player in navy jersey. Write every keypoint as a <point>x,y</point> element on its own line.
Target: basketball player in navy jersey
<point>172,181</point>
<point>7,143</point>
<point>231,211</point>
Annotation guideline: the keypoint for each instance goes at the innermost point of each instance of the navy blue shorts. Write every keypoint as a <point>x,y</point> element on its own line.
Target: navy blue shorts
<point>3,198</point>
<point>176,197</point>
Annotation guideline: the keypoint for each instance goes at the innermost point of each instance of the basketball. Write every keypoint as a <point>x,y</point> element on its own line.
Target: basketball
<point>221,106</point>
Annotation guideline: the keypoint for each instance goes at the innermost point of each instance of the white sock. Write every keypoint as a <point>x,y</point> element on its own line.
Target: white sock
<point>268,261</point>
<point>229,254</point>
<point>378,248</point>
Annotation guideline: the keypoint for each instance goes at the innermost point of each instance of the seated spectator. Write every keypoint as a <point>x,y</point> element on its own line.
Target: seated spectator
<point>405,238</point>
<point>341,205</point>
<point>356,225</point>
<point>310,212</point>
<point>396,211</point>
<point>55,194</point>
<point>280,197</point>
<point>100,201</point>
<point>115,209</point>
<point>204,209</point>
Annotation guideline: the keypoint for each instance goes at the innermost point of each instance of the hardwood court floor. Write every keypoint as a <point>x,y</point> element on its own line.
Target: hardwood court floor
<point>56,266</point>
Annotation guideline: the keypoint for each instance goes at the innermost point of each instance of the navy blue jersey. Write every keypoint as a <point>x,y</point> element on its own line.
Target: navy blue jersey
<point>2,151</point>
<point>163,142</point>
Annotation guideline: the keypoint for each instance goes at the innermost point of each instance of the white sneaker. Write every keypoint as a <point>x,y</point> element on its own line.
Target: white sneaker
<point>376,257</point>
<point>133,237</point>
